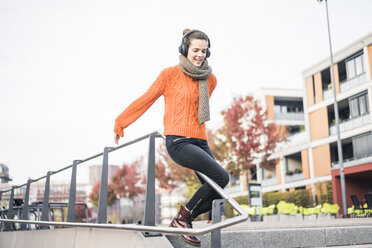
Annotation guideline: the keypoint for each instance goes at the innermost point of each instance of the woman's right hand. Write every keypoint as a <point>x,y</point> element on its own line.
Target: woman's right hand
<point>117,137</point>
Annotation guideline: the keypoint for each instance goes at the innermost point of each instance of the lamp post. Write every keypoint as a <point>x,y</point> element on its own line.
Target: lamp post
<point>339,146</point>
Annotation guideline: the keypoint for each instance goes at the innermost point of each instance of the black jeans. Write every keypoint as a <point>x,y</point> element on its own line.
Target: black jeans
<point>195,154</point>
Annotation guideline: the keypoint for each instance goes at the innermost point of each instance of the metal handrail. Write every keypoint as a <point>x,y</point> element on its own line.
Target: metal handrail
<point>156,229</point>
<point>85,160</point>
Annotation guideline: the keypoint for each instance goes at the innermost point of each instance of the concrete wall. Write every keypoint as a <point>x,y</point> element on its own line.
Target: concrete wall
<point>318,87</point>
<point>322,160</point>
<point>305,163</point>
<point>80,238</point>
<point>319,124</point>
<point>270,107</point>
<point>370,59</point>
<point>310,91</point>
<point>294,164</point>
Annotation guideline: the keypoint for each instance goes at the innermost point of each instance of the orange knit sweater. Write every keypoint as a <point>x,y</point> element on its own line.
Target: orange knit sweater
<point>181,96</point>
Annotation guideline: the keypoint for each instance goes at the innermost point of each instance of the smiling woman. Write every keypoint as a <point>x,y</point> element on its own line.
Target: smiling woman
<point>186,88</point>
<point>195,46</point>
<point>197,51</point>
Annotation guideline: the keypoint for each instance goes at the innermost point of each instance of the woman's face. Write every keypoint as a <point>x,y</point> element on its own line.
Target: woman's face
<point>197,51</point>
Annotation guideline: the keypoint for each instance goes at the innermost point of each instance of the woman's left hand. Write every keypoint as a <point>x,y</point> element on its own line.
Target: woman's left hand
<point>117,137</point>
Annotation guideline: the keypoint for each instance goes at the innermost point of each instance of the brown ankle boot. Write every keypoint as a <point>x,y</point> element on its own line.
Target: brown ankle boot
<point>183,220</point>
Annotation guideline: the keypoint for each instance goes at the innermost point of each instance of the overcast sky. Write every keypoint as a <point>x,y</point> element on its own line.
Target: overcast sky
<point>69,68</point>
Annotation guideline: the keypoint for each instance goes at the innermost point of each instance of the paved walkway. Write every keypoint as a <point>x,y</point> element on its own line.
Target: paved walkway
<point>299,224</point>
<point>355,232</point>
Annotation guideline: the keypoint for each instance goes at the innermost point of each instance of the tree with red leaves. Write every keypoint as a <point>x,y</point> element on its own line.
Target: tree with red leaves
<point>167,180</point>
<point>247,135</point>
<point>126,180</point>
<point>80,211</point>
<point>94,195</point>
<point>124,183</point>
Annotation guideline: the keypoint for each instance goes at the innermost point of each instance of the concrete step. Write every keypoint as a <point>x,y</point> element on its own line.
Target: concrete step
<point>80,238</point>
<point>288,234</point>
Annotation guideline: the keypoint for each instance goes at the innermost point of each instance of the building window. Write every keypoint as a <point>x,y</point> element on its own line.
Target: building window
<point>326,79</point>
<point>277,109</point>
<point>358,106</point>
<point>284,109</point>
<point>362,146</point>
<point>354,66</point>
<point>288,106</point>
<point>362,105</point>
<point>314,97</point>
<point>342,71</point>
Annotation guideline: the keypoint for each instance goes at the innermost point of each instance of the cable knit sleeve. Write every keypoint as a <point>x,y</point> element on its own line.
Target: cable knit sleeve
<point>140,105</point>
<point>212,83</point>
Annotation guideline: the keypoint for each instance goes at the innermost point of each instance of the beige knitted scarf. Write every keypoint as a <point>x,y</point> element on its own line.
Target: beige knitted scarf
<point>200,73</point>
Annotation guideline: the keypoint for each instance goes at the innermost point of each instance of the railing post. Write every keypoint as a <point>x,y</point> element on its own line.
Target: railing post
<point>102,202</point>
<point>149,219</point>
<point>150,185</point>
<point>45,210</point>
<point>216,217</point>
<point>71,215</point>
<point>87,213</point>
<point>9,226</point>
<point>25,210</point>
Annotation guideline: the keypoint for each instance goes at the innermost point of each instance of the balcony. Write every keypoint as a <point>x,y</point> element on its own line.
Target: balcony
<point>292,116</point>
<point>345,86</point>
<point>327,94</point>
<point>269,181</point>
<point>297,139</point>
<point>350,124</point>
<point>294,177</point>
<point>352,83</point>
<point>349,162</point>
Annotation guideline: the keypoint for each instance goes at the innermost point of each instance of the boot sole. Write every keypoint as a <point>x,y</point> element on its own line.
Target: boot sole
<point>188,242</point>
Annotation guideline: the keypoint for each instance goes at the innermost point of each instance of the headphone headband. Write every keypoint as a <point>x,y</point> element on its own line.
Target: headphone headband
<point>184,38</point>
<point>183,48</point>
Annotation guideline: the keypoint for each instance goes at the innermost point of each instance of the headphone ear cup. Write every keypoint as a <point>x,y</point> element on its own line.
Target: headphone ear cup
<point>208,53</point>
<point>183,49</point>
<point>180,49</point>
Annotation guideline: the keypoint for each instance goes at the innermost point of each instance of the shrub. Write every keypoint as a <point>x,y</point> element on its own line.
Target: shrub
<point>299,197</point>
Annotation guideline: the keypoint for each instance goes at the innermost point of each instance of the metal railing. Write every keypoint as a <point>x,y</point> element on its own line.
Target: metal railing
<point>353,82</point>
<point>351,123</point>
<point>149,216</point>
<point>289,116</point>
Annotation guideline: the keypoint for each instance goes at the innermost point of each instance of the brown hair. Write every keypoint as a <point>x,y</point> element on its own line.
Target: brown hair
<point>195,35</point>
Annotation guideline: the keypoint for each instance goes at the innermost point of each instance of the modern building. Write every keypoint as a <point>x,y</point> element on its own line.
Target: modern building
<point>4,174</point>
<point>58,192</point>
<point>285,108</point>
<point>352,67</point>
<point>310,154</point>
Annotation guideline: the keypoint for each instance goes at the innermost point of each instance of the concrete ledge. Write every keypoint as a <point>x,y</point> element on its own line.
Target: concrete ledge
<point>339,232</point>
<point>80,238</point>
<point>349,235</point>
<point>330,233</point>
<point>313,237</point>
